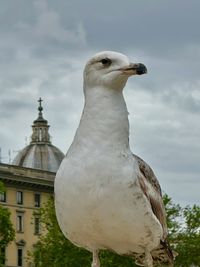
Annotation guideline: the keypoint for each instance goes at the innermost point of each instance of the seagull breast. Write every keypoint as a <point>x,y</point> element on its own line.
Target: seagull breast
<point>106,197</point>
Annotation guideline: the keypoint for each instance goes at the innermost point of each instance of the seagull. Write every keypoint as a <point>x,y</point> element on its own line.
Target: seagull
<point>105,196</point>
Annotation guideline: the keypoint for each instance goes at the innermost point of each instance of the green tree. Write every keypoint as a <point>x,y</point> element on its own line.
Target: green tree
<point>54,250</point>
<point>173,214</point>
<point>184,232</point>
<point>188,240</point>
<point>7,233</point>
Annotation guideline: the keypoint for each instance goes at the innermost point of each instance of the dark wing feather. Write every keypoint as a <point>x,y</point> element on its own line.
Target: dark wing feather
<point>151,188</point>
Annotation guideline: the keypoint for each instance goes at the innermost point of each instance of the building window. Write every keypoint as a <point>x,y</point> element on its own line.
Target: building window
<point>37,225</point>
<point>20,222</point>
<point>19,197</point>
<point>37,199</point>
<point>40,134</point>
<point>19,257</point>
<point>2,196</point>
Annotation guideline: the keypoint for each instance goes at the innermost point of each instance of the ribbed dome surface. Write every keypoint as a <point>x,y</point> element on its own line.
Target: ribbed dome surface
<point>39,156</point>
<point>40,153</point>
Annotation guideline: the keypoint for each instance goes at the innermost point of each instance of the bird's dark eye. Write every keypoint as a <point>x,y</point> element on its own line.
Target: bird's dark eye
<point>106,61</point>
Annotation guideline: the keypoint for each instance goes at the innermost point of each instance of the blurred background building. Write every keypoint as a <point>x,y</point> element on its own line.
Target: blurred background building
<point>29,182</point>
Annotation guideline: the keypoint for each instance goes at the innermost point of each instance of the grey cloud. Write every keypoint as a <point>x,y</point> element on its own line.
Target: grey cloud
<point>155,27</point>
<point>43,48</point>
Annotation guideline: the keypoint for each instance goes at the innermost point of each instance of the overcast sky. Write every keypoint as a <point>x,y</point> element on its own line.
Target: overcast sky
<point>44,45</point>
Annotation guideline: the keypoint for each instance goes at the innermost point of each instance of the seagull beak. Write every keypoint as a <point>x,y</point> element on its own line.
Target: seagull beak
<point>134,68</point>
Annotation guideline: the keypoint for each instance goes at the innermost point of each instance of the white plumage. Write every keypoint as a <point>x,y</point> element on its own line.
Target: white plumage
<point>106,197</point>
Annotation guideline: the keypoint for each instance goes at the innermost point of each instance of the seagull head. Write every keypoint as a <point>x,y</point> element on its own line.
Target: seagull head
<point>111,70</point>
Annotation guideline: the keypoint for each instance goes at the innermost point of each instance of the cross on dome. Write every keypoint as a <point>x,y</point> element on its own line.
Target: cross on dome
<point>40,127</point>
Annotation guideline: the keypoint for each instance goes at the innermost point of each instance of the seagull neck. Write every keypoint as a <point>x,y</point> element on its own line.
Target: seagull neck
<point>105,119</point>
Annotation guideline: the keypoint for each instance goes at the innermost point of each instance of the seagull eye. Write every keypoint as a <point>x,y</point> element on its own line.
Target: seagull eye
<point>106,61</point>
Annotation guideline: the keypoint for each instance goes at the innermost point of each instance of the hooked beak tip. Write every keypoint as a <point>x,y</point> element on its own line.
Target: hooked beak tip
<point>135,69</point>
<point>140,68</point>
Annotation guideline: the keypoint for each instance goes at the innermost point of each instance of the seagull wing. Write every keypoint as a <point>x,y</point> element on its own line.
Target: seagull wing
<point>152,190</point>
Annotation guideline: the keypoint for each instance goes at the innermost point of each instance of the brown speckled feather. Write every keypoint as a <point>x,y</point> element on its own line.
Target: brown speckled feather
<point>151,188</point>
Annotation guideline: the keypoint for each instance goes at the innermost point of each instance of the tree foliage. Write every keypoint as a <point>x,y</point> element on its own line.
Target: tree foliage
<point>7,233</point>
<point>54,250</point>
<point>184,232</point>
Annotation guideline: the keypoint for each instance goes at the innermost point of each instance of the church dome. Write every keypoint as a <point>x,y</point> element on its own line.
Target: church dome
<point>40,153</point>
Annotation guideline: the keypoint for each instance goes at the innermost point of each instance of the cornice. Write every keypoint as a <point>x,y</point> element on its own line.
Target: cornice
<point>17,176</point>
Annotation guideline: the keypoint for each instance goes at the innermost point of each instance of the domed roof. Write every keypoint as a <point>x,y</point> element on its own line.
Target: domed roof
<point>40,153</point>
